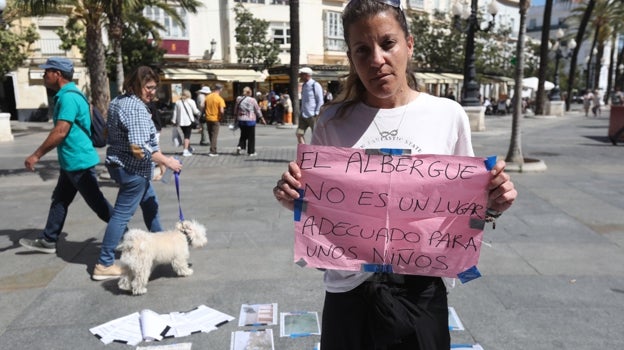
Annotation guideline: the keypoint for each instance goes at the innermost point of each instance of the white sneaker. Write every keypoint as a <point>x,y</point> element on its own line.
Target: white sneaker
<point>253,154</point>
<point>238,151</point>
<point>186,153</point>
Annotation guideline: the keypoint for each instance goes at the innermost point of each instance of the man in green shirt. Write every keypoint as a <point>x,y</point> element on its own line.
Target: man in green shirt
<point>76,154</point>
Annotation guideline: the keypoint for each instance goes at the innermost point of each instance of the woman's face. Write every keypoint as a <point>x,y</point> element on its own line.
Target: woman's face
<point>379,52</point>
<point>148,91</point>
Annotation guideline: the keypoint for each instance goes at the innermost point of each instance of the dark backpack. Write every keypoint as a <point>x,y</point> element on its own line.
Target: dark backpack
<point>98,128</point>
<point>98,124</point>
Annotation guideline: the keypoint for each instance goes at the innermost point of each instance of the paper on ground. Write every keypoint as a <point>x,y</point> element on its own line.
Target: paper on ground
<point>148,325</point>
<point>455,323</point>
<point>258,315</point>
<point>260,339</point>
<point>181,346</point>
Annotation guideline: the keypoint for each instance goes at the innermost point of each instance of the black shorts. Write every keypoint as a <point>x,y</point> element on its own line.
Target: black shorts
<point>186,131</point>
<point>360,319</point>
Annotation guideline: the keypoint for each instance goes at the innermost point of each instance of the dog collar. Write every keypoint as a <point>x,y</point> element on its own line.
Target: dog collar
<point>188,238</point>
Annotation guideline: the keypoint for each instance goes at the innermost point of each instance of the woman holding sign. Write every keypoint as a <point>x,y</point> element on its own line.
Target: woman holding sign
<point>380,107</point>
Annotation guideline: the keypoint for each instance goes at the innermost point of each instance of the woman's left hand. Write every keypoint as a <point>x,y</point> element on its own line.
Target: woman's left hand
<point>502,192</point>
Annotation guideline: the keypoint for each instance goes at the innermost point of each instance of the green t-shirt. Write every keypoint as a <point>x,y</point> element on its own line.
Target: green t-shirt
<point>76,152</point>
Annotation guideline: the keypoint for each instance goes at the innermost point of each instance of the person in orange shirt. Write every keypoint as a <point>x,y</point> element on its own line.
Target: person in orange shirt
<point>215,108</point>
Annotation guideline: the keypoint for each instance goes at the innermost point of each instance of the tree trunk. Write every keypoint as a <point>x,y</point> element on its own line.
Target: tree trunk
<point>579,39</point>
<point>96,61</point>
<point>606,97</point>
<point>115,28</point>
<point>590,82</point>
<point>543,65</point>
<point>598,65</point>
<point>294,58</point>
<point>514,154</point>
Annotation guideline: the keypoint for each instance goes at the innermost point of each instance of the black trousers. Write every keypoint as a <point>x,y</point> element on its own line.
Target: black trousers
<point>353,321</point>
<point>247,138</point>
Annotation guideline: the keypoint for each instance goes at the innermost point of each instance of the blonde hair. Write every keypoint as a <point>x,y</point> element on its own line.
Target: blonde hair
<point>186,93</point>
<point>247,91</point>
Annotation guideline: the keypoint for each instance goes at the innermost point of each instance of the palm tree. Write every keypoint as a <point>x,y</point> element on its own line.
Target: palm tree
<point>603,14</point>
<point>514,154</point>
<point>580,34</point>
<point>541,75</point>
<point>617,26</point>
<point>91,14</point>
<point>117,10</point>
<point>294,58</point>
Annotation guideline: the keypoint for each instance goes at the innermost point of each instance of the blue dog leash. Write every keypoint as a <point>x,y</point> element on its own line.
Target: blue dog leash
<point>177,183</point>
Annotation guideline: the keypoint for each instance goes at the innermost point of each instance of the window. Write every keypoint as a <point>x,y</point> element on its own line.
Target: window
<point>417,4</point>
<point>251,1</point>
<point>334,37</point>
<point>49,42</point>
<point>172,30</point>
<point>280,32</point>
<point>280,2</point>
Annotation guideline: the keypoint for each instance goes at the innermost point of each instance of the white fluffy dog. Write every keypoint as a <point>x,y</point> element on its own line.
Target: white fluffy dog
<point>141,250</point>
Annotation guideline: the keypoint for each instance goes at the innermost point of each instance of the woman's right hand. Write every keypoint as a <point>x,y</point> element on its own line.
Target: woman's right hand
<point>173,164</point>
<point>286,189</point>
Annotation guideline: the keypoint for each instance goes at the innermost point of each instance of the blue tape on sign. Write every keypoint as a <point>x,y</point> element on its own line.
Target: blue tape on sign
<point>392,151</point>
<point>490,162</point>
<point>299,335</point>
<point>298,206</point>
<point>469,275</point>
<point>377,268</point>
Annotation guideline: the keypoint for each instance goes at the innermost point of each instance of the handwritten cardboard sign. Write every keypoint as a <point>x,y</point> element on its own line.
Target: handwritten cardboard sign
<point>421,214</point>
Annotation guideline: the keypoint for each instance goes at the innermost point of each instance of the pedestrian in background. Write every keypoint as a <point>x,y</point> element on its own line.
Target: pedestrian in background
<point>132,148</point>
<point>201,105</point>
<point>588,97</point>
<point>311,102</point>
<point>247,112</point>
<point>76,155</point>
<point>288,108</point>
<point>378,108</point>
<point>597,101</point>
<point>184,115</point>
<point>264,106</point>
<point>215,109</point>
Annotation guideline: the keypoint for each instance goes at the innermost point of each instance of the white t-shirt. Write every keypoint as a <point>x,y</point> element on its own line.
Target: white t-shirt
<point>427,125</point>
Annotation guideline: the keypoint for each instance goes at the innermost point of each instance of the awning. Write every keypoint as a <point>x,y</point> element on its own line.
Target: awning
<point>202,74</point>
<point>187,74</point>
<point>453,78</point>
<point>318,75</point>
<point>247,75</point>
<point>438,78</point>
<point>498,79</point>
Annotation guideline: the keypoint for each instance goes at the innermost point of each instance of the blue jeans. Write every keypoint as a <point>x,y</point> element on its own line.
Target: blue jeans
<point>134,190</point>
<point>69,183</point>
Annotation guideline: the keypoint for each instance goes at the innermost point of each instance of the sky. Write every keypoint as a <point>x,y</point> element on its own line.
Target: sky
<point>538,2</point>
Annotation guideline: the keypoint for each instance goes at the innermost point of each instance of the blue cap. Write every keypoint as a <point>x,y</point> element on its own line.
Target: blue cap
<point>59,63</point>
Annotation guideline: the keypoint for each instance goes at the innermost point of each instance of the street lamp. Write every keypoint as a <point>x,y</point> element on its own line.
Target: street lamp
<point>555,93</point>
<point>209,53</point>
<point>465,20</point>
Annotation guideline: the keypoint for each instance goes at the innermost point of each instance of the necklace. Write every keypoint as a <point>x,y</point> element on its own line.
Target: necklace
<point>386,134</point>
